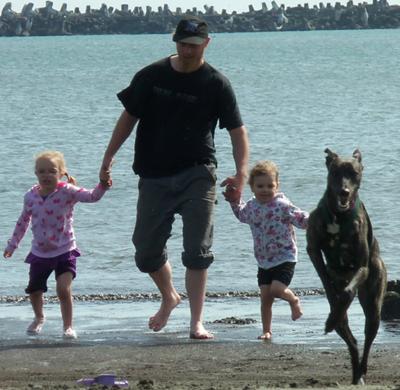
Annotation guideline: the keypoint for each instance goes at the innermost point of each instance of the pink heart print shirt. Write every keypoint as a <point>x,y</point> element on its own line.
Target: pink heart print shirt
<point>52,218</point>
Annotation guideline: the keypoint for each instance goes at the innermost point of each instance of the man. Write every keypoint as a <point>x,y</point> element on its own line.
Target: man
<point>177,103</point>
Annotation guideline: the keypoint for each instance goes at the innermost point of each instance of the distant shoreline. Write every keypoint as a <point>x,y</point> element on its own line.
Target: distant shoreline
<point>47,21</point>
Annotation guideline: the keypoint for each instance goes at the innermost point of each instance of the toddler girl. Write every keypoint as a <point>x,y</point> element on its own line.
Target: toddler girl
<point>271,217</point>
<point>49,206</point>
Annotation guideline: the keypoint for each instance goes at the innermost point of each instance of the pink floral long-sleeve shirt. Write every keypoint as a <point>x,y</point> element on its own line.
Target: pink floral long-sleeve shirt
<point>51,218</point>
<point>271,225</point>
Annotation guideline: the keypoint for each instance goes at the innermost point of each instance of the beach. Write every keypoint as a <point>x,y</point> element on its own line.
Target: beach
<point>184,364</point>
<point>299,92</point>
<point>113,338</point>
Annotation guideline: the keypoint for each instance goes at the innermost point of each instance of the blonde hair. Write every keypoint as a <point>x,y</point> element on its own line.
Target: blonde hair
<point>59,159</point>
<point>263,168</point>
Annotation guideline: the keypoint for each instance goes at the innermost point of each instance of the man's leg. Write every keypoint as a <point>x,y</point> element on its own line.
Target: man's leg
<point>154,219</point>
<point>196,280</point>
<point>169,297</point>
<point>198,201</point>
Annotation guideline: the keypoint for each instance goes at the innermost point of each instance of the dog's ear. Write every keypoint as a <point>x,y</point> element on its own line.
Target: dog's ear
<point>330,157</point>
<point>357,155</point>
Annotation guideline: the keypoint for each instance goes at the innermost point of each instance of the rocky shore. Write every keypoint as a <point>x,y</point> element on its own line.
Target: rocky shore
<point>135,297</point>
<point>390,308</point>
<point>31,21</point>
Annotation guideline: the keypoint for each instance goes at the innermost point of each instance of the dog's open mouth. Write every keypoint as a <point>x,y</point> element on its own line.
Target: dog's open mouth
<point>344,203</point>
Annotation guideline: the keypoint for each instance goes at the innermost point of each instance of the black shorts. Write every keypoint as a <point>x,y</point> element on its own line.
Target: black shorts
<point>283,273</point>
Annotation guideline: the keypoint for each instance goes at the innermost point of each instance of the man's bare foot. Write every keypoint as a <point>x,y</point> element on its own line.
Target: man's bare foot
<point>198,332</point>
<point>160,319</point>
<point>35,327</point>
<point>296,309</point>
<point>265,336</point>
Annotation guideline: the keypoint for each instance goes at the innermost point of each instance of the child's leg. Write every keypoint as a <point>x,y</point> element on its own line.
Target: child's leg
<point>267,299</point>
<point>64,293</point>
<point>280,290</point>
<point>65,273</point>
<point>36,299</point>
<point>39,271</point>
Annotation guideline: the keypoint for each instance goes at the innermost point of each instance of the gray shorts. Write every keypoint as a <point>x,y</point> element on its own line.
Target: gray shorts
<point>192,194</point>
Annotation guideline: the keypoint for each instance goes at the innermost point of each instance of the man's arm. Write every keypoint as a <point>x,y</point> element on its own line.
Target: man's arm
<point>122,131</point>
<point>240,150</point>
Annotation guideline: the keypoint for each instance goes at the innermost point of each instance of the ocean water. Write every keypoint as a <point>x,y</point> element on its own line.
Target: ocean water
<point>299,92</point>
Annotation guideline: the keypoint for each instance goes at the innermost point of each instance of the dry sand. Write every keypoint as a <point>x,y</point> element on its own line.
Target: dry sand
<point>195,365</point>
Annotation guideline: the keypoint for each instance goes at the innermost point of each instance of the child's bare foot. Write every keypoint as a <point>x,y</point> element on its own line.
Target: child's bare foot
<point>265,336</point>
<point>296,309</point>
<point>198,332</point>
<point>69,333</point>
<point>35,327</point>
<point>160,319</point>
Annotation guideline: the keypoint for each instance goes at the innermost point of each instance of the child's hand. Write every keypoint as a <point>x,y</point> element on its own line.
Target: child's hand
<point>7,254</point>
<point>231,194</point>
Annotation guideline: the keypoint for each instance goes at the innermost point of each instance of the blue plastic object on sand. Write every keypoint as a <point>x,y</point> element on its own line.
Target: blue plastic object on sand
<point>104,380</point>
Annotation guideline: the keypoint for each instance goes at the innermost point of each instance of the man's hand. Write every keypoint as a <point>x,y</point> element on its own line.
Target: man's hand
<point>237,182</point>
<point>233,187</point>
<point>105,174</point>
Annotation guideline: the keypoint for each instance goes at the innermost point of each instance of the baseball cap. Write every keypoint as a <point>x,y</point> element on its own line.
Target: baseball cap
<point>191,30</point>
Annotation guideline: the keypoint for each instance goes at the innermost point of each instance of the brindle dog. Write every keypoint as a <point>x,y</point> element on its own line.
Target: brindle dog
<point>345,254</point>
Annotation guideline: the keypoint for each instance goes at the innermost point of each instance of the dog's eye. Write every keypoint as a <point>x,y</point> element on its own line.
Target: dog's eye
<point>352,173</point>
<point>334,173</point>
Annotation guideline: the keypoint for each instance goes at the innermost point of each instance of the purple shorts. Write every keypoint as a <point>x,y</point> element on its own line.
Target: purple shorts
<point>41,268</point>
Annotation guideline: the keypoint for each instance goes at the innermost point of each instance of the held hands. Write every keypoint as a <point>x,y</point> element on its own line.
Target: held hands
<point>105,174</point>
<point>231,194</point>
<point>233,187</point>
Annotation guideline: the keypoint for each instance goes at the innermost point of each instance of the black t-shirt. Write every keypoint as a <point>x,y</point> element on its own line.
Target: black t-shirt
<point>177,113</point>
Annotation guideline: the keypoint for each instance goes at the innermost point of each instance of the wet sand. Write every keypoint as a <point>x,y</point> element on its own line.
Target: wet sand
<point>183,364</point>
